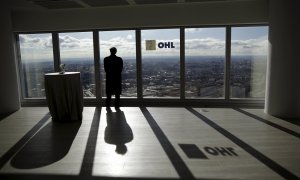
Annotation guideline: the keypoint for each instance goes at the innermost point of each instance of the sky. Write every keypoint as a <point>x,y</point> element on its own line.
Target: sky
<point>198,42</point>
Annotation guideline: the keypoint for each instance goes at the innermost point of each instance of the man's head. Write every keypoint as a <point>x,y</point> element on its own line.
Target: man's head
<point>113,50</point>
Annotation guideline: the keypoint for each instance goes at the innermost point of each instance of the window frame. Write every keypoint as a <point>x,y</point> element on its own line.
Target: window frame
<point>20,70</point>
<point>226,101</point>
<point>58,56</point>
<point>136,62</point>
<point>227,51</point>
<point>247,100</point>
<point>180,66</point>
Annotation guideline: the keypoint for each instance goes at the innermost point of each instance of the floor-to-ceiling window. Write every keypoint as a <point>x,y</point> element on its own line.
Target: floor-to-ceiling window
<point>159,66</point>
<point>161,62</point>
<point>125,43</point>
<point>36,52</point>
<point>204,62</point>
<point>249,49</point>
<point>76,51</point>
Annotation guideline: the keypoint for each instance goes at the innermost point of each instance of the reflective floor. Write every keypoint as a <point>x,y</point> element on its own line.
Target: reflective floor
<point>149,143</point>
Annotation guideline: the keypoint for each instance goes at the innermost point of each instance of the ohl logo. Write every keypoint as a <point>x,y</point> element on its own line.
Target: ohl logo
<point>151,45</point>
<point>192,151</point>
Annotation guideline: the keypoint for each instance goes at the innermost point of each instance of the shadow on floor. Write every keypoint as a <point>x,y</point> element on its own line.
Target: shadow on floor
<point>5,115</point>
<point>74,177</point>
<point>49,145</point>
<point>117,131</point>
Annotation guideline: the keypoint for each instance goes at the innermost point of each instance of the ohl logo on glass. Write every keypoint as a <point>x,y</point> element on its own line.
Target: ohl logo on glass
<point>151,45</point>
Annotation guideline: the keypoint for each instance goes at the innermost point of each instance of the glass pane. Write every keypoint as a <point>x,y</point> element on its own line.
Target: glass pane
<point>249,49</point>
<point>204,62</point>
<point>37,60</point>
<point>124,41</point>
<point>161,62</point>
<point>76,51</point>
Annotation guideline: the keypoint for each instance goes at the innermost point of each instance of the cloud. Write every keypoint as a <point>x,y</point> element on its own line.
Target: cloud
<point>258,46</point>
<point>69,42</point>
<point>86,43</point>
<point>34,47</point>
<point>129,37</point>
<point>71,46</point>
<point>30,42</point>
<point>193,30</point>
<point>47,43</point>
<point>212,46</point>
<point>125,46</point>
<point>205,46</point>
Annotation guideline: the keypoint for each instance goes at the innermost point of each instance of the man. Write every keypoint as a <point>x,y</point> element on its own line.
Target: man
<point>113,66</point>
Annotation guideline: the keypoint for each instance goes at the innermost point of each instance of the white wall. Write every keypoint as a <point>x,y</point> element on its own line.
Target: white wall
<point>283,82</point>
<point>236,12</point>
<point>9,97</point>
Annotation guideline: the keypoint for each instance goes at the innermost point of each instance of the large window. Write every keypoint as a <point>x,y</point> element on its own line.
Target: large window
<point>161,62</point>
<point>248,62</point>
<point>36,60</point>
<point>124,41</point>
<point>204,58</point>
<point>76,51</point>
<point>206,54</point>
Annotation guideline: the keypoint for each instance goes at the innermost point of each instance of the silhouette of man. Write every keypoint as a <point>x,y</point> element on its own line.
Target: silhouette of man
<point>113,66</point>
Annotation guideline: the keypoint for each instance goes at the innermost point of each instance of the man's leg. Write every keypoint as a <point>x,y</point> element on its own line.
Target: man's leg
<point>108,99</point>
<point>117,100</point>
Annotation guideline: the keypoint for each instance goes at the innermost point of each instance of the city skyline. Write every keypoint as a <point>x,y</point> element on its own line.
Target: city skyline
<point>204,77</point>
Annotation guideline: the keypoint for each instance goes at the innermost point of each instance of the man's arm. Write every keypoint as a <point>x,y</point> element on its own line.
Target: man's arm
<point>105,64</point>
<point>121,65</point>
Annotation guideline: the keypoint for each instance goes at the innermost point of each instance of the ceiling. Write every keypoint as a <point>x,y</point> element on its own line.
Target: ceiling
<point>69,4</point>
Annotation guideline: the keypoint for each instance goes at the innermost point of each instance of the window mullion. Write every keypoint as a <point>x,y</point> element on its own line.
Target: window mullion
<point>182,64</point>
<point>97,64</point>
<point>139,65</point>
<point>227,63</point>
<point>56,51</point>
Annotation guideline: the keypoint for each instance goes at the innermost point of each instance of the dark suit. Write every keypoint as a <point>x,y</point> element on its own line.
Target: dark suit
<point>113,66</point>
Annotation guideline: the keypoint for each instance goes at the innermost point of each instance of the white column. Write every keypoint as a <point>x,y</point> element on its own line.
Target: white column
<point>283,74</point>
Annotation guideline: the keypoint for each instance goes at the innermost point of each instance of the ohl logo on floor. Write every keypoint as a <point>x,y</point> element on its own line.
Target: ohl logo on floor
<point>192,151</point>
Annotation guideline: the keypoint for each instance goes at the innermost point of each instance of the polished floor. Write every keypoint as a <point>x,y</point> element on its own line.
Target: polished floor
<point>150,143</point>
